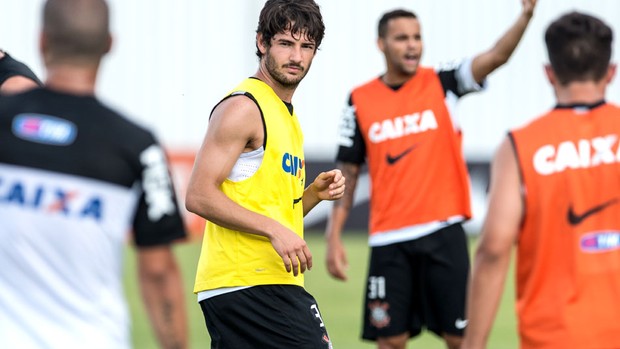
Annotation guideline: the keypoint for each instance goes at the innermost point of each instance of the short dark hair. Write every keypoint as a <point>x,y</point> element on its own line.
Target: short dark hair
<point>77,29</point>
<point>579,47</point>
<point>298,16</point>
<point>398,13</point>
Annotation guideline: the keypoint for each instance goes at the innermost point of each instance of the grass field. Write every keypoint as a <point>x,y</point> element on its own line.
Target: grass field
<point>340,302</point>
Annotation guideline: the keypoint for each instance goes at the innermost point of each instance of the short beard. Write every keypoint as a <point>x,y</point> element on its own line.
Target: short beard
<point>272,69</point>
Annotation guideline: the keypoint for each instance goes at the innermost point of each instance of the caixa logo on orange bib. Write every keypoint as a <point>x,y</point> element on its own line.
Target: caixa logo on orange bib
<point>292,164</point>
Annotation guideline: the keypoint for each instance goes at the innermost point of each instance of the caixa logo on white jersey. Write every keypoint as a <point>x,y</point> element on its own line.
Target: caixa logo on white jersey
<point>51,199</point>
<point>401,126</point>
<point>44,129</point>
<point>584,153</point>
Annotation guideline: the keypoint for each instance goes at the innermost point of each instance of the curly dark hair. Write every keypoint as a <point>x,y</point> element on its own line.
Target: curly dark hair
<point>301,17</point>
<point>579,47</point>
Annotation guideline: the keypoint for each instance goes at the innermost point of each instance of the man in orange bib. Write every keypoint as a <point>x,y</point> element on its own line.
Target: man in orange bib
<point>400,125</point>
<point>555,191</point>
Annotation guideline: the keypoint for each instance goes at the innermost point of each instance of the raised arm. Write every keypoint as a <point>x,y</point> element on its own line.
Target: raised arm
<point>492,259</point>
<point>486,62</point>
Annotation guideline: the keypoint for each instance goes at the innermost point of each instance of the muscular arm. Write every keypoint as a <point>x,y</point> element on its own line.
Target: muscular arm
<point>163,296</point>
<point>235,127</point>
<point>492,257</point>
<point>336,254</point>
<point>486,62</point>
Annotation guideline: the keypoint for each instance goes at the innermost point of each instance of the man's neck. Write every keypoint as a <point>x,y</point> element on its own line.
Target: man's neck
<point>582,92</point>
<point>392,79</point>
<point>78,80</point>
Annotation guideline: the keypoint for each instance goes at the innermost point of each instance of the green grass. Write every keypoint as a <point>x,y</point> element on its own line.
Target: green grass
<point>340,302</point>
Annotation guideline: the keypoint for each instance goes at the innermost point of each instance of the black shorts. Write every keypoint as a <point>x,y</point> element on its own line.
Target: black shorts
<point>270,316</point>
<point>418,284</point>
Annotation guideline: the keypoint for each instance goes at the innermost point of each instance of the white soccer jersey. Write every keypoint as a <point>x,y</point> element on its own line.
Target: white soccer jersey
<point>75,178</point>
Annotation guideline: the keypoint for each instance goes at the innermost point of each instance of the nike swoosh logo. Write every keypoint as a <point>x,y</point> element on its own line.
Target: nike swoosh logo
<point>296,201</point>
<point>575,219</point>
<point>393,159</point>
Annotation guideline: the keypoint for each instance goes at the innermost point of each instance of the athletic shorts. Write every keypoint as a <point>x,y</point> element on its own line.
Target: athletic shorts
<point>269,316</point>
<point>418,284</point>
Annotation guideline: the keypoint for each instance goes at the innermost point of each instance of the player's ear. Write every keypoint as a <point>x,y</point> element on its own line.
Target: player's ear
<point>260,43</point>
<point>42,43</point>
<point>109,44</point>
<point>44,47</point>
<point>611,72</point>
<point>550,74</point>
<point>381,44</point>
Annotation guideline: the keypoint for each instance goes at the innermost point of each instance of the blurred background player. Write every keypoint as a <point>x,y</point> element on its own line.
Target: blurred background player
<point>555,193</point>
<point>15,76</point>
<point>75,177</point>
<point>249,183</point>
<point>400,124</point>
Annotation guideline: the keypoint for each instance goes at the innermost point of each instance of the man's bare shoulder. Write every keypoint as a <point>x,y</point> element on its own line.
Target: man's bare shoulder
<point>235,106</point>
<point>17,84</point>
<point>239,116</point>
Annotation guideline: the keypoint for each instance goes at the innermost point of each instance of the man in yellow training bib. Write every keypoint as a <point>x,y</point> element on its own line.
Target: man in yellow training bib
<point>249,184</point>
